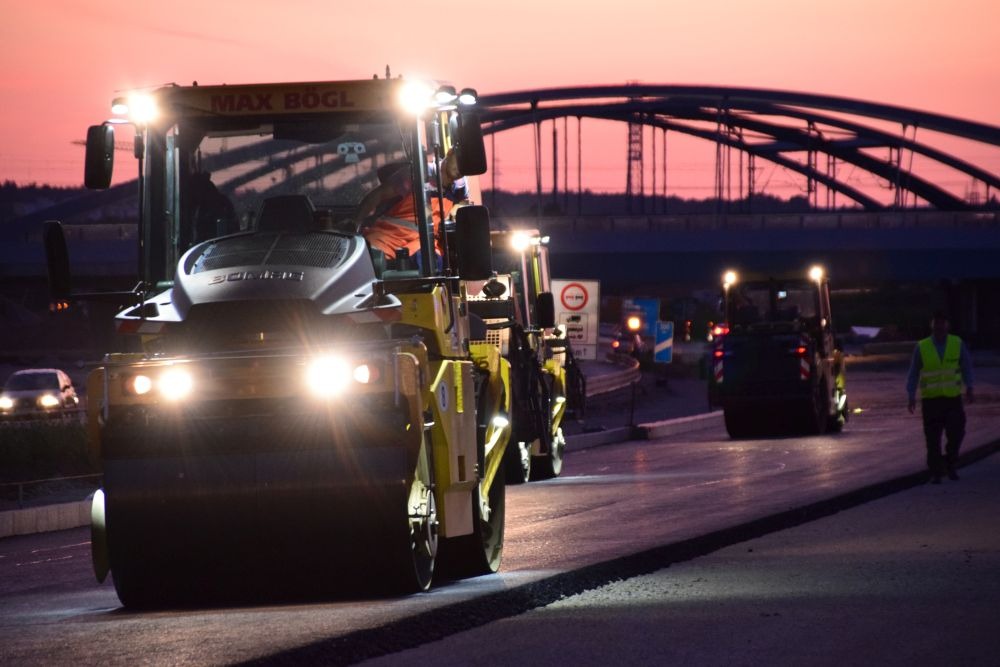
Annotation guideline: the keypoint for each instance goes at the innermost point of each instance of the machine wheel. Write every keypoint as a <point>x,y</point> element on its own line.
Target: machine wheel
<point>136,591</point>
<point>517,461</point>
<point>414,567</point>
<point>739,423</point>
<point>480,552</point>
<point>835,424</point>
<point>550,465</point>
<point>152,588</point>
<point>817,411</point>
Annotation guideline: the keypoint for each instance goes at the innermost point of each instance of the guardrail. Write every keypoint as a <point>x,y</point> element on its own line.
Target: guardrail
<point>54,419</point>
<point>777,221</point>
<point>20,486</point>
<point>608,382</point>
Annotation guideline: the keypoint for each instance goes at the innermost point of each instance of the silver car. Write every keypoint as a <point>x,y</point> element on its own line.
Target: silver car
<point>38,393</point>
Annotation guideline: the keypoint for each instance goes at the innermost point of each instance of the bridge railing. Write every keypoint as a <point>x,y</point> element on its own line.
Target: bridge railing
<point>763,221</point>
<point>683,222</point>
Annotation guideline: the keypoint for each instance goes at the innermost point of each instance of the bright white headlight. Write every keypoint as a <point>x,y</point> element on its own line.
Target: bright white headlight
<point>415,96</point>
<point>362,373</point>
<point>142,384</point>
<point>48,401</point>
<point>327,377</point>
<point>6,403</point>
<point>520,241</point>
<point>142,108</point>
<point>175,384</point>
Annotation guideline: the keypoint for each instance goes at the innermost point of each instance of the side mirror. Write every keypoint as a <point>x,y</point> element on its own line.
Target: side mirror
<point>57,259</point>
<point>470,149</point>
<point>545,310</point>
<point>473,251</point>
<point>100,158</point>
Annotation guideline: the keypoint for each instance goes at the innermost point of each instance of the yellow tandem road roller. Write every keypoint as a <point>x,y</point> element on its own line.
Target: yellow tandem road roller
<point>295,405</point>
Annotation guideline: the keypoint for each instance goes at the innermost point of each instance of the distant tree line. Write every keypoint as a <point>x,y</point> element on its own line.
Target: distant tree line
<point>504,203</point>
<point>18,200</point>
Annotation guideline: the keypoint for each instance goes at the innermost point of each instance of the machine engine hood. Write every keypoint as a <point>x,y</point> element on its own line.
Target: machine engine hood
<point>333,271</point>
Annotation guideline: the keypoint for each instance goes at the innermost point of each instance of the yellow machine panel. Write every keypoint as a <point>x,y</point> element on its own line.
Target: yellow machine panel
<point>433,312</point>
<point>454,439</point>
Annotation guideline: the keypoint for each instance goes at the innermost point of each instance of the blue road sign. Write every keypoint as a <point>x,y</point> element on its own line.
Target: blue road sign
<point>663,352</point>
<point>650,309</point>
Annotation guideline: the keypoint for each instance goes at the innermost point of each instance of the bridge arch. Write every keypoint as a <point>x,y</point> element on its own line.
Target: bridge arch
<point>669,106</point>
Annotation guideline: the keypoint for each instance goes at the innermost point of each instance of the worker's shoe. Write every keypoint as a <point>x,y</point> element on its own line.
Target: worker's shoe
<point>952,475</point>
<point>935,478</point>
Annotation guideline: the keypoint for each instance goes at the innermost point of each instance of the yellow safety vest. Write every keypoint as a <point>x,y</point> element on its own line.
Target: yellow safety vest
<point>940,378</point>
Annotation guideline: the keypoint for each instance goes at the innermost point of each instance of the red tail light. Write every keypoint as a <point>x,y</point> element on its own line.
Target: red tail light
<point>718,354</point>
<point>801,350</point>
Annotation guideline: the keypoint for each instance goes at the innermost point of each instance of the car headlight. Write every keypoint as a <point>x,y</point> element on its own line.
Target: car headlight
<point>6,403</point>
<point>48,401</point>
<point>175,384</point>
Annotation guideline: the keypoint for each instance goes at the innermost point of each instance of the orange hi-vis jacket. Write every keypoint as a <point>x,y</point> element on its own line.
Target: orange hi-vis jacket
<point>397,228</point>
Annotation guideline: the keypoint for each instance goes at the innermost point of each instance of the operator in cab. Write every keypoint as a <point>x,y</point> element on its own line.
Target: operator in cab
<point>388,217</point>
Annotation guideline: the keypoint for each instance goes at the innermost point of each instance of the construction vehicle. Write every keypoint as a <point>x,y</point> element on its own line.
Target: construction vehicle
<point>778,369</point>
<point>290,410</point>
<point>628,337</point>
<point>518,311</point>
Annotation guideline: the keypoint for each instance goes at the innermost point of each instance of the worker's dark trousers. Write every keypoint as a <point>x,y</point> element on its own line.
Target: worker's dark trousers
<point>948,416</point>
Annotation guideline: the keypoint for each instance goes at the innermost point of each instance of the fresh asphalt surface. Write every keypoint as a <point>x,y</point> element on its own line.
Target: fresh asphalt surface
<point>909,579</point>
<point>852,587</point>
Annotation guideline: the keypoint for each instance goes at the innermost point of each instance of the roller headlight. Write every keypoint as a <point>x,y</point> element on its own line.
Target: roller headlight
<point>48,401</point>
<point>142,108</point>
<point>364,373</point>
<point>139,385</point>
<point>520,241</point>
<point>327,377</point>
<point>6,403</point>
<point>416,96</point>
<point>175,384</point>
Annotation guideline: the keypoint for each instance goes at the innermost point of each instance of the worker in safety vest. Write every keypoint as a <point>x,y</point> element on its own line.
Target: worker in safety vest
<point>941,364</point>
<point>388,215</point>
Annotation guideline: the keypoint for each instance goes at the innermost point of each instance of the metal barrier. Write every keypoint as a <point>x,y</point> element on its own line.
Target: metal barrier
<point>908,219</point>
<point>54,419</point>
<point>38,482</point>
<point>608,382</point>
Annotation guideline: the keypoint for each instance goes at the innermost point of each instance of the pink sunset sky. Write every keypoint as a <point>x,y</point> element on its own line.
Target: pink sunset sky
<point>63,60</point>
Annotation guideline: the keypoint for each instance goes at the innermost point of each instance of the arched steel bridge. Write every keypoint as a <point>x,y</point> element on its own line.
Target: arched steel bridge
<point>765,124</point>
<point>769,124</point>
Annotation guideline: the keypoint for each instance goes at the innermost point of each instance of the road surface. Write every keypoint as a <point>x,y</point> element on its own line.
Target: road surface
<point>619,511</point>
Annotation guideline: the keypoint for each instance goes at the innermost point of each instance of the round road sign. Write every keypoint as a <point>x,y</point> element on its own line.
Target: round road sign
<point>574,296</point>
